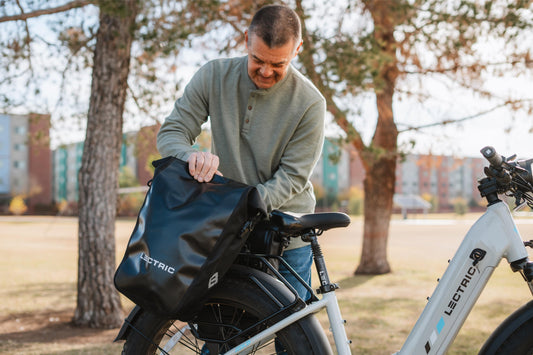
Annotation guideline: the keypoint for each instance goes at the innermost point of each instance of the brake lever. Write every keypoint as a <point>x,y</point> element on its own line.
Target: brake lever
<point>520,202</point>
<point>502,176</point>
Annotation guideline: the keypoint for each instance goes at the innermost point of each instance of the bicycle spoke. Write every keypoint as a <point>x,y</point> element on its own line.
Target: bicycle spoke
<point>262,346</point>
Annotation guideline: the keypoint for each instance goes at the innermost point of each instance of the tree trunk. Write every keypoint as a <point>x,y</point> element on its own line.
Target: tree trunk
<point>98,302</point>
<point>379,190</point>
<point>381,157</point>
<point>379,187</point>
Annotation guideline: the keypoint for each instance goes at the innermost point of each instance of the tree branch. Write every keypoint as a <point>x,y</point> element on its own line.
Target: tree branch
<point>27,41</point>
<point>472,67</point>
<point>53,10</point>
<point>458,120</point>
<point>339,115</point>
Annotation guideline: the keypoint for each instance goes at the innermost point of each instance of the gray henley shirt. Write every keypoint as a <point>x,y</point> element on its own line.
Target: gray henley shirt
<point>271,138</point>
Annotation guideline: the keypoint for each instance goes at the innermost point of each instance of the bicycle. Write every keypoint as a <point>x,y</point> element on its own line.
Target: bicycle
<point>254,304</point>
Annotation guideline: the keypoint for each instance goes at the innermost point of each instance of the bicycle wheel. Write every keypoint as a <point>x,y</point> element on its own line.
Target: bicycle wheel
<point>513,336</point>
<point>234,306</point>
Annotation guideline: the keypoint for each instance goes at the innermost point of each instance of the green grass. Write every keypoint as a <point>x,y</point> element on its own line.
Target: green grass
<point>38,272</point>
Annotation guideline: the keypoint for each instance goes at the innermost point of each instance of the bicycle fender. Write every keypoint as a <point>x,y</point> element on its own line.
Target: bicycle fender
<point>278,290</point>
<point>268,283</point>
<point>262,279</point>
<point>507,328</point>
<point>130,319</point>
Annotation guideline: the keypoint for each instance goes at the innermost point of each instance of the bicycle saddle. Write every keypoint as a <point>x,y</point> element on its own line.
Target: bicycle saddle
<point>323,221</point>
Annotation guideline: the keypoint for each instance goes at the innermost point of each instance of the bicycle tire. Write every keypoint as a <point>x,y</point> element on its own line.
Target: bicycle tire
<point>237,299</point>
<point>513,336</point>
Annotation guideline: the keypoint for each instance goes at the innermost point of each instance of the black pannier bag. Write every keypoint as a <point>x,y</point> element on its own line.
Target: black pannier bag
<point>186,237</point>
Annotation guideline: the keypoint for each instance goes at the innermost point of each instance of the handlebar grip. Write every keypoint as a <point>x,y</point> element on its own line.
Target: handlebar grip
<point>494,158</point>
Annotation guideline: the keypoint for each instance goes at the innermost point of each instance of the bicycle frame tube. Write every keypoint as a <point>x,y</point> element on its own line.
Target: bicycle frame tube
<point>493,237</point>
<point>328,301</point>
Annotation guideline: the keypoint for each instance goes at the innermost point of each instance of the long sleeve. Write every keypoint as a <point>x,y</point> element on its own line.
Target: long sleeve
<point>297,163</point>
<point>180,129</point>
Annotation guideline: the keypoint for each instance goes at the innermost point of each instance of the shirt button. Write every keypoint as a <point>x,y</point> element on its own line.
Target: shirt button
<point>249,107</point>
<point>247,120</point>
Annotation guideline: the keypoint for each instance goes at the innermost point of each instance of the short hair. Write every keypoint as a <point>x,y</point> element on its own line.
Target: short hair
<point>276,25</point>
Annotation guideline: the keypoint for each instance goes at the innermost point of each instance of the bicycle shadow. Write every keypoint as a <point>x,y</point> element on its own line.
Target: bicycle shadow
<point>354,281</point>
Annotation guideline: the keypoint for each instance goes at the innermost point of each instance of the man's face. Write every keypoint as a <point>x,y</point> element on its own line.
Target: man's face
<point>267,66</point>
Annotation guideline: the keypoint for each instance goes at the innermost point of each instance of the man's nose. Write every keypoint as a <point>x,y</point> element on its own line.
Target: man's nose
<point>266,70</point>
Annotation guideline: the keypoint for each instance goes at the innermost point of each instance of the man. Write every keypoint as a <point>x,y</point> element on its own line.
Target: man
<point>267,123</point>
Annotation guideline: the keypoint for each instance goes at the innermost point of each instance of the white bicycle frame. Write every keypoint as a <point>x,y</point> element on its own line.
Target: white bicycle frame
<point>496,234</point>
<point>493,237</point>
<point>328,301</point>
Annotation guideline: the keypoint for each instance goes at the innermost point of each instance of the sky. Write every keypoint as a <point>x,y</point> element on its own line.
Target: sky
<point>507,131</point>
<point>497,130</point>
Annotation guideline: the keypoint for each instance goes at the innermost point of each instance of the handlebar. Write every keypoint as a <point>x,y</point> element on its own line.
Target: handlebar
<point>512,177</point>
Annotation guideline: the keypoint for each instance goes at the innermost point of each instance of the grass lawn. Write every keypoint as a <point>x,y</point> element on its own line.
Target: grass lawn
<point>38,272</point>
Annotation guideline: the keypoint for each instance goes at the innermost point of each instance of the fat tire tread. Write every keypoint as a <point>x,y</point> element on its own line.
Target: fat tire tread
<point>513,336</point>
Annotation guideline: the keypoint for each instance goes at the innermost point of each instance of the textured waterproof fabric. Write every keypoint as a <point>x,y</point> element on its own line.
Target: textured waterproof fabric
<point>186,237</point>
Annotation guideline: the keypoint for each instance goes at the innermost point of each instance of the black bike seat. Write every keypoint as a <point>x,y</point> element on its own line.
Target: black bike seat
<point>323,221</point>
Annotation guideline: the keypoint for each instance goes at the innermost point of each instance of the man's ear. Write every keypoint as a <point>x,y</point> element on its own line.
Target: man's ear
<point>246,38</point>
<point>298,48</point>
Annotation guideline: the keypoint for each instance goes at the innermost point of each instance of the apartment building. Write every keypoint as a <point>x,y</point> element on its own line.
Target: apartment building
<point>25,159</point>
<point>444,178</point>
<point>332,170</point>
<point>137,151</point>
<point>29,168</point>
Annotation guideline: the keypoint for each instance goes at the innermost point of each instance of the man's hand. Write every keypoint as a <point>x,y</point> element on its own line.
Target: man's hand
<point>203,165</point>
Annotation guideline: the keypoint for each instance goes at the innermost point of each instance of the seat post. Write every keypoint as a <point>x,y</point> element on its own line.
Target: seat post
<point>325,284</point>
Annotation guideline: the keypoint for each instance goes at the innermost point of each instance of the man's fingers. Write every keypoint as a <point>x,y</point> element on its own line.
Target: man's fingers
<point>203,165</point>
<point>209,168</point>
<point>192,164</point>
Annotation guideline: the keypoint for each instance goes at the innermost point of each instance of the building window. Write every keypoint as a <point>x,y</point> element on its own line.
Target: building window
<point>19,164</point>
<point>19,147</point>
<point>21,130</point>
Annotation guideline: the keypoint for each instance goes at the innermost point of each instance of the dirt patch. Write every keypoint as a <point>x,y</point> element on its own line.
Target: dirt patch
<point>51,327</point>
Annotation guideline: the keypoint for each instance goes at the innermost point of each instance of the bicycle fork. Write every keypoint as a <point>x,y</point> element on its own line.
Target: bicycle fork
<point>525,268</point>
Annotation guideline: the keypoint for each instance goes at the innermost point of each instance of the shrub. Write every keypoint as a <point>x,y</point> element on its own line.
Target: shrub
<point>460,206</point>
<point>355,197</point>
<point>434,200</point>
<point>127,178</point>
<point>17,206</point>
<point>129,204</point>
